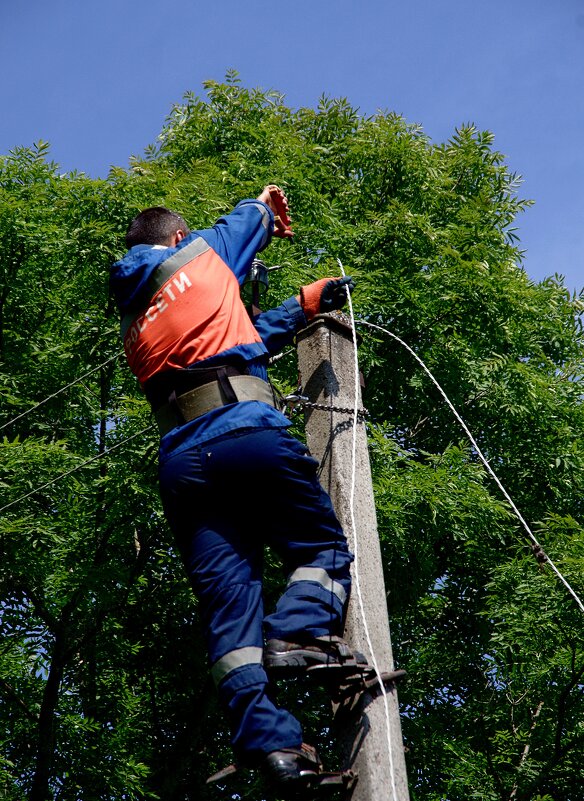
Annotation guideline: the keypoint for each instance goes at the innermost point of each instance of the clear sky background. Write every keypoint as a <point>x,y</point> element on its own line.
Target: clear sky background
<point>96,78</point>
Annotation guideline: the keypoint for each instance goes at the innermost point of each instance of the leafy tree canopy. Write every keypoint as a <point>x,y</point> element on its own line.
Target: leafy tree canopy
<point>103,685</point>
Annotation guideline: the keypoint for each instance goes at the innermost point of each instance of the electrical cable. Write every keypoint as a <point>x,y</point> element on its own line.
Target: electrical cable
<point>536,546</point>
<point>59,391</point>
<point>357,581</point>
<point>74,469</point>
<point>283,354</point>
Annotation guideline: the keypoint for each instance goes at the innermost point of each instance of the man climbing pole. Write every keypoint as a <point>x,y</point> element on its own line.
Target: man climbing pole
<point>203,366</point>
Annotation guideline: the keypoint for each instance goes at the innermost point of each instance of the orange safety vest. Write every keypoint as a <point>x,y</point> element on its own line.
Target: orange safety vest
<point>194,312</point>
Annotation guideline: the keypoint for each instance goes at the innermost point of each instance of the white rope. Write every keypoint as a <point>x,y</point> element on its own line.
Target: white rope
<point>481,457</point>
<point>74,469</point>
<point>356,547</point>
<point>59,391</point>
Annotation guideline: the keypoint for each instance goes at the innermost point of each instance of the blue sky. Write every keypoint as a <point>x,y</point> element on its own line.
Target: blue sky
<point>97,79</point>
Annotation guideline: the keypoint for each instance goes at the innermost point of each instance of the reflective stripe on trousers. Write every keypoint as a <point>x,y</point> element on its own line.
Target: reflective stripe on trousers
<point>232,660</point>
<point>224,501</point>
<point>319,576</point>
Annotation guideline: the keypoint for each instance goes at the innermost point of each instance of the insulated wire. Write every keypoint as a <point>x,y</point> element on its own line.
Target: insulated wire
<point>59,391</point>
<point>74,469</point>
<point>361,322</point>
<point>281,355</point>
<point>273,359</point>
<point>480,455</point>
<point>355,543</point>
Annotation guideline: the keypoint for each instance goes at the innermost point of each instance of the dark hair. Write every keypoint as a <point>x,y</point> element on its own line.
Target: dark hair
<point>154,226</point>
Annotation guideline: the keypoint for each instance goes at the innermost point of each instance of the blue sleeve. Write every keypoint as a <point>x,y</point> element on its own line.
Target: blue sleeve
<point>277,327</point>
<point>238,236</point>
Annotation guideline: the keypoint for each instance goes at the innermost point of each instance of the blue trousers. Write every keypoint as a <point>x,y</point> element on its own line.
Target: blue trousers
<point>225,500</point>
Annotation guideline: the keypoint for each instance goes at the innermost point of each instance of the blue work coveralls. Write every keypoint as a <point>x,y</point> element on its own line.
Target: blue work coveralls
<point>234,480</point>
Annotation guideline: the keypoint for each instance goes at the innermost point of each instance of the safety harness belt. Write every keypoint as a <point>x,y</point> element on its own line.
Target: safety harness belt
<point>232,389</point>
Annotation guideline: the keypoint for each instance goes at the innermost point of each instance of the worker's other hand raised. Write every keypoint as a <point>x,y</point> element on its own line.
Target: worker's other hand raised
<point>267,195</point>
<point>276,199</point>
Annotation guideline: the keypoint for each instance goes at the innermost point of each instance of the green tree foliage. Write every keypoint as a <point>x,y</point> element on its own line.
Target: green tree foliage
<point>103,682</point>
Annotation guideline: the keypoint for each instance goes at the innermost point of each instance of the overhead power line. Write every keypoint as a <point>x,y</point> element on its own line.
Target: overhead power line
<point>59,391</point>
<point>536,547</point>
<point>97,456</point>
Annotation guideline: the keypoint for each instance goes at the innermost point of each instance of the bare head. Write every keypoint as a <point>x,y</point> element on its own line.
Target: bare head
<point>156,226</point>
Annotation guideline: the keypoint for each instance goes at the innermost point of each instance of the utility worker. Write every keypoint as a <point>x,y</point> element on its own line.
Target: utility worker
<point>202,364</point>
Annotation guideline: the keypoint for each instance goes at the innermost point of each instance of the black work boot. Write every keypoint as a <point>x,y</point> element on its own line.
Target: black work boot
<point>292,769</point>
<point>282,658</point>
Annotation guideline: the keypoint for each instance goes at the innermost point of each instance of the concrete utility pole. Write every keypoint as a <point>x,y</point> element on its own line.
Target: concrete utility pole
<point>327,374</point>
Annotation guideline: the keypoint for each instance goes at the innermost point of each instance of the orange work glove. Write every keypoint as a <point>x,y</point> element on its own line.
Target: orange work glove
<point>325,295</point>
